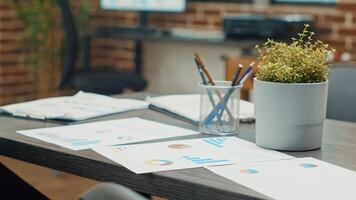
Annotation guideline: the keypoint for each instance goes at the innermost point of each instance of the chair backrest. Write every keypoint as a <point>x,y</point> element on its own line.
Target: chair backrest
<point>342,93</point>
<point>70,42</point>
<point>110,191</point>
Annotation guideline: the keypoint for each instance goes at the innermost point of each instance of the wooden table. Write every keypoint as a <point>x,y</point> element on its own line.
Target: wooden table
<point>339,147</point>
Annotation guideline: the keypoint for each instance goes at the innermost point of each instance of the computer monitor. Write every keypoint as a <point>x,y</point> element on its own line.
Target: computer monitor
<point>144,5</point>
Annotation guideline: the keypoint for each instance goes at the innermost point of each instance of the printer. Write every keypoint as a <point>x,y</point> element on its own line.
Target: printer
<point>259,26</point>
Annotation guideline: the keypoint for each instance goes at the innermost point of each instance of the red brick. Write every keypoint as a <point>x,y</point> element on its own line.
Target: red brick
<point>8,41</point>
<point>338,43</point>
<point>4,18</point>
<point>212,12</point>
<point>191,9</point>
<point>346,6</point>
<point>324,30</point>
<point>218,24</point>
<point>16,89</point>
<point>13,70</point>
<point>200,22</point>
<point>11,29</point>
<point>6,6</point>
<point>347,31</point>
<point>192,18</point>
<point>335,18</point>
<point>15,80</point>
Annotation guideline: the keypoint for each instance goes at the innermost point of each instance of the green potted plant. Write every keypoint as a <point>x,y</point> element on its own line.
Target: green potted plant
<point>290,92</point>
<point>41,46</point>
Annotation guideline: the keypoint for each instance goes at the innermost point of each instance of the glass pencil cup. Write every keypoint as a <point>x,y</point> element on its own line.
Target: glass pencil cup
<point>219,108</point>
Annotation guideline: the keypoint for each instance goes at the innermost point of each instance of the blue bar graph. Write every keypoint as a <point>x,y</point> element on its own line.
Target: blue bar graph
<point>217,142</point>
<point>86,142</point>
<point>198,160</point>
<point>81,142</point>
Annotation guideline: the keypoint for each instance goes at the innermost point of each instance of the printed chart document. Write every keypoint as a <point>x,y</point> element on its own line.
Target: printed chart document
<point>121,131</point>
<point>294,179</point>
<point>182,154</point>
<point>78,107</point>
<point>187,106</point>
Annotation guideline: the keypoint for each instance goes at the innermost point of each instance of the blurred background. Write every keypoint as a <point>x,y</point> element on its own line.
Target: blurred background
<point>57,47</point>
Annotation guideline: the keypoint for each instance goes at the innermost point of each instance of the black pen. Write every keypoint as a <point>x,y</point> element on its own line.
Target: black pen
<point>236,74</point>
<point>245,75</point>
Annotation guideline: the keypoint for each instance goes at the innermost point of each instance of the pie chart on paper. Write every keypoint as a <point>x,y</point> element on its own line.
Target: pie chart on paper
<point>158,162</point>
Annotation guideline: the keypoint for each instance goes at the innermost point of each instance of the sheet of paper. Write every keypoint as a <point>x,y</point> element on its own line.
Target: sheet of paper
<point>183,154</point>
<point>78,107</point>
<point>187,105</point>
<point>121,131</point>
<point>294,179</point>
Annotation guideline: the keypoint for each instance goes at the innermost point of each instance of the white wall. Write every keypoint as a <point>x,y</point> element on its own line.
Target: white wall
<point>169,66</point>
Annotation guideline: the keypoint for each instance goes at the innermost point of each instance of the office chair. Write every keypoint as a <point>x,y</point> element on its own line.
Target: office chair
<point>342,93</point>
<point>110,191</point>
<point>103,80</point>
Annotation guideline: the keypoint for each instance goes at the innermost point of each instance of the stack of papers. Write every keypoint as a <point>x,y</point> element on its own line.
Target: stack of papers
<point>121,131</point>
<point>188,106</point>
<point>183,154</point>
<point>75,108</point>
<point>294,179</point>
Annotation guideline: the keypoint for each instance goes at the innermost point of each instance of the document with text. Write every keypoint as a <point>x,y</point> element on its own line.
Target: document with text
<point>188,106</point>
<point>183,154</point>
<point>121,131</point>
<point>293,179</point>
<point>78,107</point>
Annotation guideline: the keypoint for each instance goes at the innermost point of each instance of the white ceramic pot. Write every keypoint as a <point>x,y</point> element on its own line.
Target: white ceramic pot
<point>290,116</point>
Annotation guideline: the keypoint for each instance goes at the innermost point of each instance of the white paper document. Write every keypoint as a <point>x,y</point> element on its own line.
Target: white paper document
<point>121,131</point>
<point>294,179</point>
<point>78,107</point>
<point>183,154</point>
<point>188,106</point>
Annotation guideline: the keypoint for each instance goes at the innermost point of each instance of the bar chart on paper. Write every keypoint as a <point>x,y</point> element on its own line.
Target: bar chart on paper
<point>82,142</point>
<point>217,142</point>
<point>114,132</point>
<point>293,179</point>
<point>199,160</point>
<point>184,154</point>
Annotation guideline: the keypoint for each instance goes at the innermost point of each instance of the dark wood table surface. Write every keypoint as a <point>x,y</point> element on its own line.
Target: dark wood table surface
<point>339,147</point>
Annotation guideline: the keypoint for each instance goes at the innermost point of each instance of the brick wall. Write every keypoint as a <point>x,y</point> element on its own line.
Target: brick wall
<point>335,25</point>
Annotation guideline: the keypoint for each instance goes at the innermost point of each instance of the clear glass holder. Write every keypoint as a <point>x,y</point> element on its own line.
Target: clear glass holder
<point>219,108</point>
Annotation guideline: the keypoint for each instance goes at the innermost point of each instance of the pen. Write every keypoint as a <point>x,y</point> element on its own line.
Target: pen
<point>200,62</point>
<point>222,104</point>
<point>233,83</point>
<point>245,75</point>
<point>236,74</point>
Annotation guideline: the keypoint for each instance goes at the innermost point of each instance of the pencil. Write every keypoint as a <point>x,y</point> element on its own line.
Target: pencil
<point>203,67</point>
<point>205,82</point>
<point>201,73</point>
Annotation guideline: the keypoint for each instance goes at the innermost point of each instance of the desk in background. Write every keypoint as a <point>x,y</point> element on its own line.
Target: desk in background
<point>162,57</point>
<point>339,147</point>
